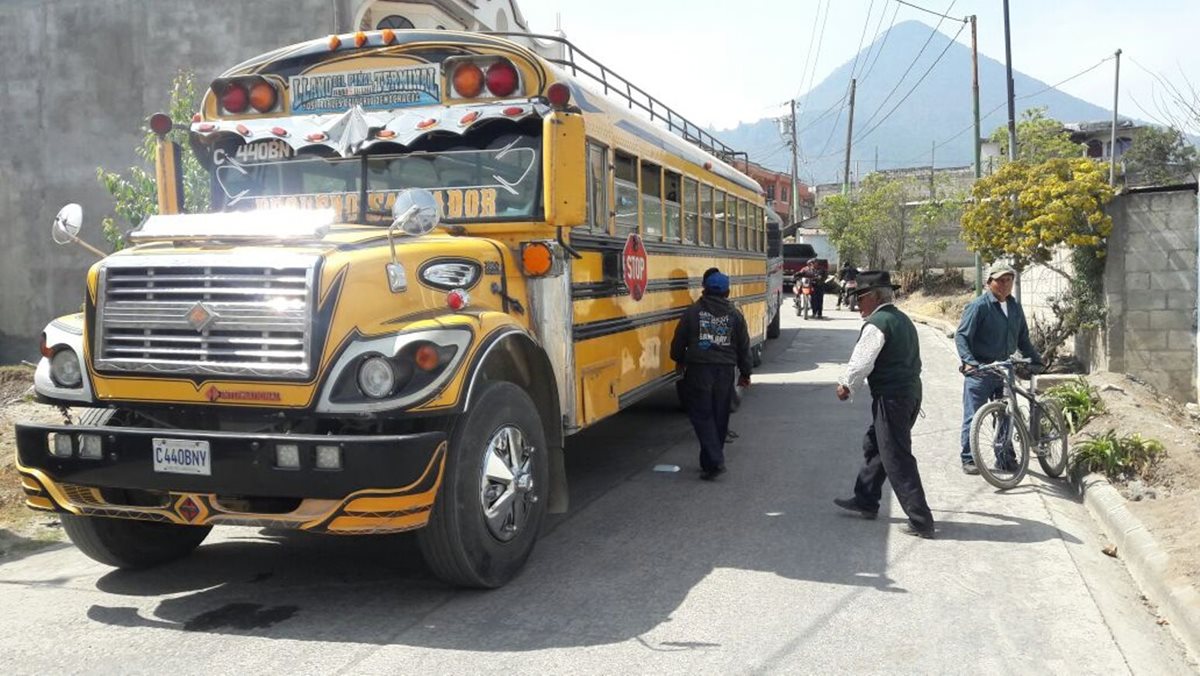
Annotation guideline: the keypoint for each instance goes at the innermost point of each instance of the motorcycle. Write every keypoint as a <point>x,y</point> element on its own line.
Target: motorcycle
<point>848,290</point>
<point>803,299</point>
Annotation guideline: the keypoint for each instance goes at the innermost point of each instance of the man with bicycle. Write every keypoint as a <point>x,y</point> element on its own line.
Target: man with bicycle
<point>993,327</point>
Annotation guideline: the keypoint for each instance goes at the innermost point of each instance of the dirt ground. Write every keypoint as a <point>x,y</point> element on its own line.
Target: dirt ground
<point>20,527</point>
<point>1168,503</point>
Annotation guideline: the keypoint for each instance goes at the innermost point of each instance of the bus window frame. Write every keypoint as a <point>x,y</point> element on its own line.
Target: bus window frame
<point>706,218</point>
<point>668,205</point>
<point>647,169</point>
<point>603,184</point>
<point>691,188</point>
<point>619,229</point>
<point>720,225</point>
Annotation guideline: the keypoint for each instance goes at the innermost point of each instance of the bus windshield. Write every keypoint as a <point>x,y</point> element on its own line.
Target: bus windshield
<point>499,182</point>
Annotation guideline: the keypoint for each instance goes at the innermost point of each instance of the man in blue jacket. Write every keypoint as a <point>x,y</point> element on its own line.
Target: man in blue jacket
<point>992,329</point>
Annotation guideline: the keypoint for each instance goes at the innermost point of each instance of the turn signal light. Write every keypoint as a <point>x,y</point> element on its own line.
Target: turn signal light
<point>45,349</point>
<point>468,80</point>
<point>536,258</point>
<point>263,96</point>
<point>559,95</point>
<point>457,300</point>
<point>426,357</point>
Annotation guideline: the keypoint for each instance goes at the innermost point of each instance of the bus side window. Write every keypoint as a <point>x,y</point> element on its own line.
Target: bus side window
<point>743,226</point>
<point>652,210</point>
<point>720,227</point>
<point>691,210</point>
<point>625,193</point>
<point>671,208</point>
<point>597,169</point>
<point>706,215</point>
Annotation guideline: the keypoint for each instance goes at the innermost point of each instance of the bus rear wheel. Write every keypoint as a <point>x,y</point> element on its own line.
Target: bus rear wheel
<point>773,327</point>
<point>494,492</point>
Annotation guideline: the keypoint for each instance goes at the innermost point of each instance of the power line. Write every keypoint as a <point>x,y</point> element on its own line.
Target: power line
<point>816,59</point>
<point>930,11</point>
<point>912,63</point>
<point>808,53</point>
<point>881,44</point>
<point>861,37</point>
<point>914,87</point>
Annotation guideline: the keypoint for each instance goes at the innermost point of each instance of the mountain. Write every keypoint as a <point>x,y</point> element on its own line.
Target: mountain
<point>938,108</point>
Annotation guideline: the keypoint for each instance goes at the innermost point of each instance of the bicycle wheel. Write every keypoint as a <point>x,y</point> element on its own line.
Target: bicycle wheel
<point>1051,431</point>
<point>998,445</point>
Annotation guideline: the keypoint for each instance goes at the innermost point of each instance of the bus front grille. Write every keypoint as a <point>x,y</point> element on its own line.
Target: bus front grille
<point>208,315</point>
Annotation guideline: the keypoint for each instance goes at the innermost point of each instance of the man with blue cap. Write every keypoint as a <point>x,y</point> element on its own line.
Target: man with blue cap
<point>711,341</point>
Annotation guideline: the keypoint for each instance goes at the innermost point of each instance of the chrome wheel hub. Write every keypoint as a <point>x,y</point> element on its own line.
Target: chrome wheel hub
<point>506,483</point>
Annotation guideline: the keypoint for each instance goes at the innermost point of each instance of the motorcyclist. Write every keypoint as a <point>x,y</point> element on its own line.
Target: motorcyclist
<point>847,273</point>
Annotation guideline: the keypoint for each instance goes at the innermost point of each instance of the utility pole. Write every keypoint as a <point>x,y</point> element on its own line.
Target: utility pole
<point>1012,119</point>
<point>876,158</point>
<point>978,158</point>
<point>932,150</point>
<point>849,134</point>
<point>1112,152</point>
<point>793,210</point>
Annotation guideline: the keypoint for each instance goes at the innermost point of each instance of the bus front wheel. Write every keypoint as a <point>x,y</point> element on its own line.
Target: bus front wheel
<point>493,494</point>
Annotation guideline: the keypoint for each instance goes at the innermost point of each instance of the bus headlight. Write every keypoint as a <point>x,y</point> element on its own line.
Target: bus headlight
<point>376,377</point>
<point>64,368</point>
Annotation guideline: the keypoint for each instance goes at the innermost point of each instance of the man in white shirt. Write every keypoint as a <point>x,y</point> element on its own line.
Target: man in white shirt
<point>888,355</point>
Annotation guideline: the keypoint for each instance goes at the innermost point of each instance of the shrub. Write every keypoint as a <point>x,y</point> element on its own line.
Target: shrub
<point>1116,457</point>
<point>1080,402</point>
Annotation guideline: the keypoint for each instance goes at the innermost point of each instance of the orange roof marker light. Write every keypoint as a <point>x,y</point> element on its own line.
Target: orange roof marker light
<point>425,124</point>
<point>513,111</point>
<point>197,117</point>
<point>334,42</point>
<point>385,133</point>
<point>279,131</point>
<point>360,39</point>
<point>388,35</point>
<point>316,137</point>
<point>469,118</point>
<point>206,127</point>
<point>244,130</point>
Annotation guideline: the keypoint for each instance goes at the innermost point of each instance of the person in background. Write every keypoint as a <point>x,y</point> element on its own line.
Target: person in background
<point>992,328</point>
<point>820,275</point>
<point>847,273</point>
<point>888,355</point>
<point>710,342</point>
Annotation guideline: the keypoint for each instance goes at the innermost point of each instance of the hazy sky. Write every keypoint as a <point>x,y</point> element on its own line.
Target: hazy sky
<point>726,62</point>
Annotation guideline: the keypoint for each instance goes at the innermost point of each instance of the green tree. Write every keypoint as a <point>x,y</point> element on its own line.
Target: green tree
<point>867,226</point>
<point>135,194</point>
<point>927,232</point>
<point>1039,138</point>
<point>1159,156</point>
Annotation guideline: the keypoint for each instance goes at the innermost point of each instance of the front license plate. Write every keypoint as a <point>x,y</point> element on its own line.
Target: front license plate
<point>182,456</point>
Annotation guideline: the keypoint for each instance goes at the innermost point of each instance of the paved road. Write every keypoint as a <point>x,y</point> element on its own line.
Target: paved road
<point>650,572</point>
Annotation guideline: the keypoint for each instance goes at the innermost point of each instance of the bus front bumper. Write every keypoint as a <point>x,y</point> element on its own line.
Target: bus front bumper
<point>382,483</point>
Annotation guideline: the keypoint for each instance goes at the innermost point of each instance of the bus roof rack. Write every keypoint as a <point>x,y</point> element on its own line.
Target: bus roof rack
<point>579,62</point>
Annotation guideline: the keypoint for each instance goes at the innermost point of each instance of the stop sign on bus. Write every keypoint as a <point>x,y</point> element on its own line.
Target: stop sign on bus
<point>633,262</point>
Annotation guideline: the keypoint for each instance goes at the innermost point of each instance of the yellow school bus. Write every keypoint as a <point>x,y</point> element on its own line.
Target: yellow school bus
<point>430,257</point>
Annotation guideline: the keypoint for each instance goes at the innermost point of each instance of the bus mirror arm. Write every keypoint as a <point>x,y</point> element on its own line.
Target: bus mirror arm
<point>567,247</point>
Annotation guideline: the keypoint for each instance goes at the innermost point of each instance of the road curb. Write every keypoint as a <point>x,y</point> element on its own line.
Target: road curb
<point>1146,560</point>
<point>945,327</point>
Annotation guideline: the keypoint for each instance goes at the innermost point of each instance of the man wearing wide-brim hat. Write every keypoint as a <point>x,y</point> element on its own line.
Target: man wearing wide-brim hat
<point>992,328</point>
<point>888,356</point>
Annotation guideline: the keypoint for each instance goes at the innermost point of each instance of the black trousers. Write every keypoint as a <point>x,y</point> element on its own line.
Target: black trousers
<point>708,390</point>
<point>818,301</point>
<point>887,451</point>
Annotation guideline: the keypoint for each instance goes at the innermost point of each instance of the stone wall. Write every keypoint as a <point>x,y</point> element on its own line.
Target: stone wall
<point>1150,284</point>
<point>80,79</point>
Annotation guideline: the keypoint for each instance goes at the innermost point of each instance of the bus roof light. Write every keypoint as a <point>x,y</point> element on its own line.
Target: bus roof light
<point>279,131</point>
<point>468,80</point>
<point>513,111</point>
<point>502,79</point>
<point>388,35</point>
<point>316,137</point>
<point>360,39</point>
<point>469,118</point>
<point>206,127</point>
<point>244,130</point>
<point>263,96</point>
<point>160,123</point>
<point>385,133</point>
<point>559,95</point>
<point>427,123</point>
<point>334,42</point>
<point>235,98</point>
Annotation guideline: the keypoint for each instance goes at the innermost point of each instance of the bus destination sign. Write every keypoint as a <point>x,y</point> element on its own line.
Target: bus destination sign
<point>381,89</point>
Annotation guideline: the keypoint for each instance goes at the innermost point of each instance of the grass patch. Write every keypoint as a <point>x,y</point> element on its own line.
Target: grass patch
<point>1118,458</point>
<point>1080,402</point>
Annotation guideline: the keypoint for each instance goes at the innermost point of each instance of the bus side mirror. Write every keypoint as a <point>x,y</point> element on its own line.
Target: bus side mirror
<point>67,224</point>
<point>564,168</point>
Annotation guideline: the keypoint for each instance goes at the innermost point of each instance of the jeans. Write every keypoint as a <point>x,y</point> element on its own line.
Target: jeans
<point>977,391</point>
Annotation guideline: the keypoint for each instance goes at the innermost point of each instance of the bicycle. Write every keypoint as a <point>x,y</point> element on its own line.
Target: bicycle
<point>1045,429</point>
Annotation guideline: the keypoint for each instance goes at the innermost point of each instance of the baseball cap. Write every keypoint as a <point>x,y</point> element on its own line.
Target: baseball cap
<point>999,269</point>
<point>717,281</point>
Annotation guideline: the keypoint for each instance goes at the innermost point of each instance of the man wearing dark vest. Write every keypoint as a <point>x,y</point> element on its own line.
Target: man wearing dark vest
<point>888,355</point>
<point>711,341</point>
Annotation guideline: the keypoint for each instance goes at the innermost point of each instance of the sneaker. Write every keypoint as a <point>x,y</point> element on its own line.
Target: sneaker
<point>912,530</point>
<point>851,505</point>
<point>970,468</point>
<point>712,474</point>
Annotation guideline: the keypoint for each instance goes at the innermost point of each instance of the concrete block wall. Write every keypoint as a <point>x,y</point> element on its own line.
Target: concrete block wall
<point>1151,291</point>
<point>79,81</point>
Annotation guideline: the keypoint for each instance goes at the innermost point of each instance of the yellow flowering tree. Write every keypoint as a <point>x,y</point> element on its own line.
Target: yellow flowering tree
<point>1025,211</point>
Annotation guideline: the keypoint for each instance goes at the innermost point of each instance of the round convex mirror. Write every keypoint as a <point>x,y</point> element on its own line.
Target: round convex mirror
<point>67,224</point>
<point>416,212</point>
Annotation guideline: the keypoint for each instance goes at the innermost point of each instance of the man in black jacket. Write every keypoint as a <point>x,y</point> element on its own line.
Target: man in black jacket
<point>710,341</point>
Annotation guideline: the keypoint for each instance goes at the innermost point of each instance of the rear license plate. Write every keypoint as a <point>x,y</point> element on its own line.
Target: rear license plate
<point>182,456</point>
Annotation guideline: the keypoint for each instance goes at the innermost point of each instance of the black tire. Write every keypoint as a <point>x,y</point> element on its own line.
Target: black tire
<point>773,327</point>
<point>460,545</point>
<point>756,355</point>
<point>987,419</point>
<point>126,543</point>
<point>1052,440</point>
<point>129,544</point>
